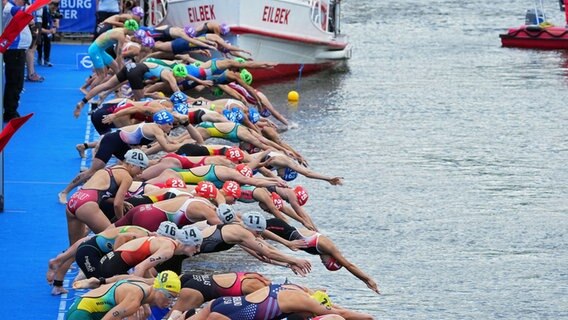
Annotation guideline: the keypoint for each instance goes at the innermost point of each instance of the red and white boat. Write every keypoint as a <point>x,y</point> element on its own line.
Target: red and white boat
<point>300,35</point>
<point>537,33</point>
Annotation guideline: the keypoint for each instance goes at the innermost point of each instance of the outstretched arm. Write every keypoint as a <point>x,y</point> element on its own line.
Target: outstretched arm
<point>329,248</point>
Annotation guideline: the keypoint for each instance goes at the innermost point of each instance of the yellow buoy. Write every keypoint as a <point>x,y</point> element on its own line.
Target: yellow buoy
<point>293,96</point>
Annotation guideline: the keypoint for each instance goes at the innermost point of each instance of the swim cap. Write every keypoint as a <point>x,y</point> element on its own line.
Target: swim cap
<point>254,221</point>
<point>265,113</point>
<point>180,70</point>
<point>226,213</point>
<point>148,42</point>
<point>167,229</point>
<point>289,174</point>
<point>190,236</point>
<point>233,116</point>
<point>197,63</point>
<point>136,157</point>
<point>163,117</point>
<point>240,60</point>
<point>175,183</point>
<point>235,154</point>
<point>330,263</point>
<point>244,170</point>
<point>178,97</point>
<point>254,116</point>
<point>216,91</point>
<point>246,76</point>
<point>232,188</point>
<point>131,25</point>
<point>189,31</point>
<point>138,11</point>
<point>168,280</point>
<point>277,200</point>
<point>181,107</point>
<point>301,194</point>
<point>206,189</point>
<point>140,34</point>
<point>322,298</point>
<point>224,29</point>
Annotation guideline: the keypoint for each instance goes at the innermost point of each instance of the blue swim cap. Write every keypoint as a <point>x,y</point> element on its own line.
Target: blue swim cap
<point>181,107</point>
<point>146,99</point>
<point>265,113</point>
<point>289,174</point>
<point>254,116</point>
<point>178,97</point>
<point>163,117</point>
<point>235,115</point>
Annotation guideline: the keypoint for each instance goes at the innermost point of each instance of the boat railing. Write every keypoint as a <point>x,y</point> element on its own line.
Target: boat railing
<point>319,13</point>
<point>323,14</point>
<point>156,11</point>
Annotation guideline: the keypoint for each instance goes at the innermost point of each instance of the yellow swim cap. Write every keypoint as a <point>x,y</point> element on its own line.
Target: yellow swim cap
<point>168,280</point>
<point>322,298</point>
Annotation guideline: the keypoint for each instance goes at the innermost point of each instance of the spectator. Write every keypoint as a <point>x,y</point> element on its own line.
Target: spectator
<point>35,27</point>
<point>104,10</point>
<point>49,26</point>
<point>15,61</point>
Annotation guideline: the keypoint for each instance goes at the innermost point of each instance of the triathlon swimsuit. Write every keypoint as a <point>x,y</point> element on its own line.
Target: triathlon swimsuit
<point>90,252</point>
<point>210,289</point>
<point>83,196</point>
<point>238,308</point>
<point>87,308</point>
<point>120,261</point>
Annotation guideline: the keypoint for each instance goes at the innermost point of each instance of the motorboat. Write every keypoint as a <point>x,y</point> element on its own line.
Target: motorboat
<point>537,32</point>
<point>302,36</point>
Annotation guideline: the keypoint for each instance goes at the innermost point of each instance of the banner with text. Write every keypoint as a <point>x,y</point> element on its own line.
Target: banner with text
<point>77,16</point>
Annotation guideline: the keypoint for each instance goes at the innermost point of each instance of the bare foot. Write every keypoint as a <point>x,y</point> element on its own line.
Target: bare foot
<point>81,149</point>
<point>62,197</point>
<point>58,291</point>
<point>51,268</point>
<point>80,276</point>
<point>90,283</point>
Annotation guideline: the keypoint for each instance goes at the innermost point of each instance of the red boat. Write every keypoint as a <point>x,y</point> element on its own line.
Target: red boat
<point>537,33</point>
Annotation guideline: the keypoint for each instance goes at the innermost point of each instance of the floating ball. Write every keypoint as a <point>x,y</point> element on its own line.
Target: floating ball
<point>293,96</point>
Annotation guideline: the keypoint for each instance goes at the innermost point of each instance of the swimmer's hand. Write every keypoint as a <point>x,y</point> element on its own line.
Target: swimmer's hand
<point>310,226</point>
<point>108,118</point>
<point>297,244</point>
<point>126,207</point>
<point>206,83</point>
<point>372,285</point>
<point>78,108</point>
<point>90,283</point>
<point>336,181</point>
<point>301,267</point>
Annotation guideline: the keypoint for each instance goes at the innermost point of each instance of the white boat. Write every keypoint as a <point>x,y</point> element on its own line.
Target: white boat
<point>300,35</point>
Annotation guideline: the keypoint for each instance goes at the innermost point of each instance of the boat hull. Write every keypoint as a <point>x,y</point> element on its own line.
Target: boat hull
<point>291,38</point>
<point>536,37</point>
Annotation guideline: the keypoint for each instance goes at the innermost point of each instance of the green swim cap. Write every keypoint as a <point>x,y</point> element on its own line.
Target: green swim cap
<point>131,25</point>
<point>197,63</point>
<point>240,60</point>
<point>179,70</point>
<point>246,76</point>
<point>217,92</point>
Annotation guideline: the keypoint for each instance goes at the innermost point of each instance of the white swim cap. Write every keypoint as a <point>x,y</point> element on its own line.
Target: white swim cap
<point>190,236</point>
<point>254,221</point>
<point>136,157</point>
<point>226,213</point>
<point>167,229</point>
